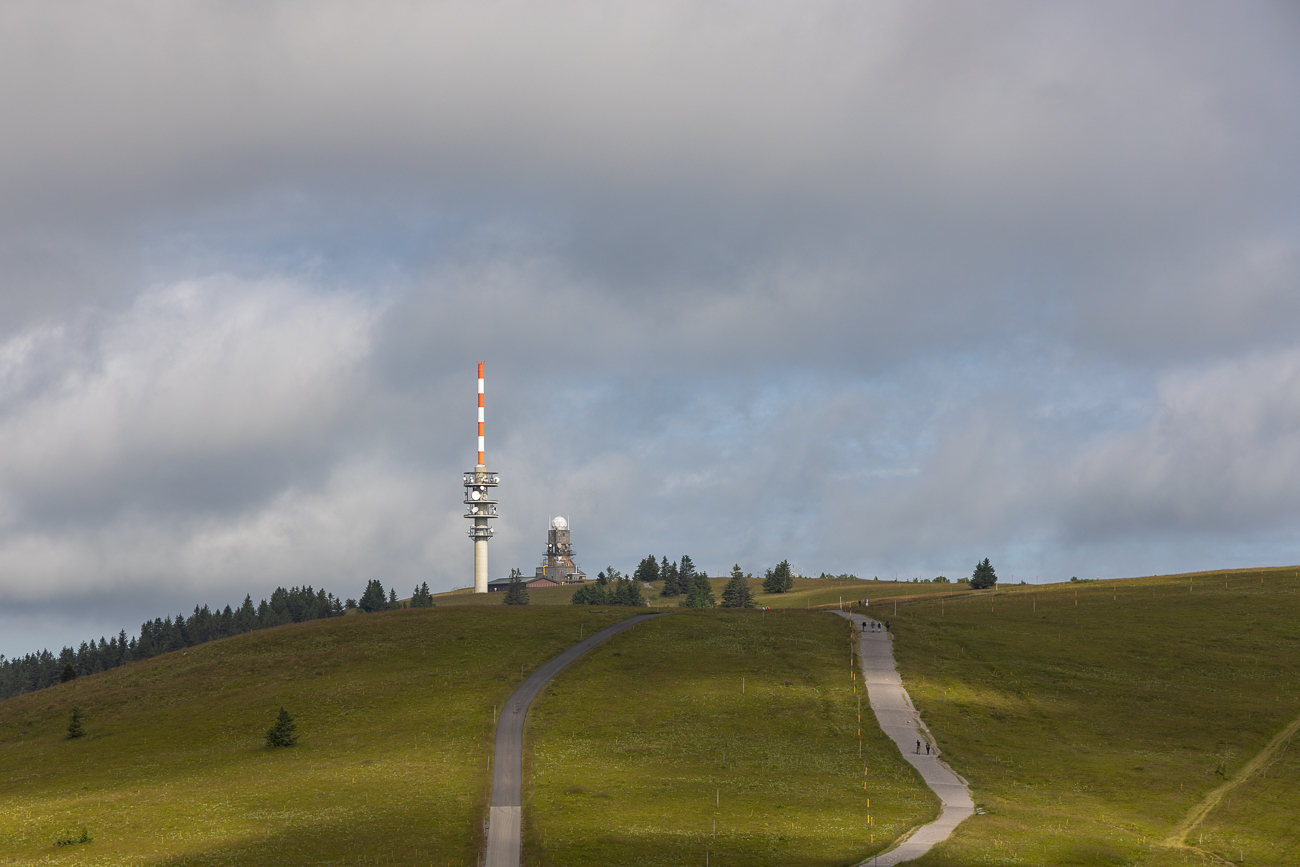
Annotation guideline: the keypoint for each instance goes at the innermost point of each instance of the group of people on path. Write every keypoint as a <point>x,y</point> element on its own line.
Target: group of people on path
<point>875,627</point>
<point>927,748</point>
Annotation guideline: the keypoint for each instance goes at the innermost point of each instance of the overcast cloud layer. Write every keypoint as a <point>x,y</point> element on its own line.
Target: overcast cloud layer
<point>882,288</point>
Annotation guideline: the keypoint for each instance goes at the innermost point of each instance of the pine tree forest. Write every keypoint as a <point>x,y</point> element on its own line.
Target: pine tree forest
<point>39,670</point>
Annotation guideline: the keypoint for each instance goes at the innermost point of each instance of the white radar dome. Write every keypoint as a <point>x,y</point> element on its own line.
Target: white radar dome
<point>559,524</point>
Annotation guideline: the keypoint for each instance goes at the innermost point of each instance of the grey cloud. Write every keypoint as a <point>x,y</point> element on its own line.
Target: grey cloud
<point>1218,456</point>
<point>217,372</point>
<point>872,287</point>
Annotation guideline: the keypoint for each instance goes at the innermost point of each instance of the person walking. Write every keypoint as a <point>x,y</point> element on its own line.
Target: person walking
<point>927,748</point>
<point>918,748</point>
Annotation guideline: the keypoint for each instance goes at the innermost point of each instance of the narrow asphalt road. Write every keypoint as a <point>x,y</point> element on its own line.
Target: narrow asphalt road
<point>899,719</point>
<point>503,843</point>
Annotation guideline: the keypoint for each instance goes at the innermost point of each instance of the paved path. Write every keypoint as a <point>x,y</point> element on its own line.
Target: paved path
<point>503,841</point>
<point>900,720</point>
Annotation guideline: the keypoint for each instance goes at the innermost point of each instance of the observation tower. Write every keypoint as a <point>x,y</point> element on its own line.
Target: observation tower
<point>479,505</point>
<point>559,565</point>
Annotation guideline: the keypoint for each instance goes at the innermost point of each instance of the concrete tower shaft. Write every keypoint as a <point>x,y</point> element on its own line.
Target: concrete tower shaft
<point>480,506</point>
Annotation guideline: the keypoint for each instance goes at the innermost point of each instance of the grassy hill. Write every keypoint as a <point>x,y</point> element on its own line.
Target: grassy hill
<point>395,712</point>
<point>642,749</point>
<point>1091,719</point>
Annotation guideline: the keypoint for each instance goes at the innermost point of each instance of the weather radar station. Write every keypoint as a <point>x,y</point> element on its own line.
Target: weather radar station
<point>480,507</point>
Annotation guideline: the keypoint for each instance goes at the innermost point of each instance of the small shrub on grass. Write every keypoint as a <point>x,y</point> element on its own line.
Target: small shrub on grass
<point>282,734</point>
<point>72,838</point>
<point>516,592</point>
<point>76,727</point>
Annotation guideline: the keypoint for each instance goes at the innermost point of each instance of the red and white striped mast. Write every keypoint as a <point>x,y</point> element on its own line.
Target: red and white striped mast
<point>479,505</point>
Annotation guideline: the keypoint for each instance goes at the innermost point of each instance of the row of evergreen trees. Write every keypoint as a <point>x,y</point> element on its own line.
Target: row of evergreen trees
<point>39,670</point>
<point>373,599</point>
<point>677,577</point>
<point>295,605</point>
<point>611,587</point>
<point>681,579</point>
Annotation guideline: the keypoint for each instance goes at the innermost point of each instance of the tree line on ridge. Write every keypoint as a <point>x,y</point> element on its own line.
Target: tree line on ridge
<point>35,671</point>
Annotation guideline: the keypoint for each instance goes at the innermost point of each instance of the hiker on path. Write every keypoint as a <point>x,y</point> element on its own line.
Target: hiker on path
<point>918,747</point>
<point>927,748</point>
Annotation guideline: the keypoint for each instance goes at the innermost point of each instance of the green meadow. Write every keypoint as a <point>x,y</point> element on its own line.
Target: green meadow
<point>1147,721</point>
<point>395,714</point>
<point>1092,719</point>
<point>651,751</point>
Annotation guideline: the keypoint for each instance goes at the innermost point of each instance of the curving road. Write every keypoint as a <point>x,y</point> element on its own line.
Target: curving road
<point>503,843</point>
<point>900,720</point>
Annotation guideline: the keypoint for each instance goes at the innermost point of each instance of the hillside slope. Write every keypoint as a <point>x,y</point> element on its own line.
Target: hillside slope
<point>395,712</point>
<point>652,751</point>
<point>395,716</point>
<point>1091,718</point>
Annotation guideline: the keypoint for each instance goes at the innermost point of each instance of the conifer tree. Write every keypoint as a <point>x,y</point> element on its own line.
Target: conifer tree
<point>625,591</point>
<point>588,594</point>
<point>283,733</point>
<point>778,580</point>
<point>76,728</point>
<point>69,673</point>
<point>668,574</point>
<point>516,592</point>
<point>647,570</point>
<point>421,597</point>
<point>699,594</point>
<point>634,596</point>
<point>373,597</point>
<point>983,577</point>
<point>246,616</point>
<point>685,572</point>
<point>736,594</point>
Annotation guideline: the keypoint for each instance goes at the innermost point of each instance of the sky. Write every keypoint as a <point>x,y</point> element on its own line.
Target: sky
<point>882,288</point>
